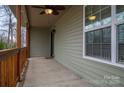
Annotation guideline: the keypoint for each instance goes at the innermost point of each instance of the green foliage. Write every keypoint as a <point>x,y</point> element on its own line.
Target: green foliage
<point>3,45</point>
<point>13,45</point>
<point>7,28</point>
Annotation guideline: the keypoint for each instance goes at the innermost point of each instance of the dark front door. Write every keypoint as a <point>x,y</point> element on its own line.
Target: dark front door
<point>52,43</point>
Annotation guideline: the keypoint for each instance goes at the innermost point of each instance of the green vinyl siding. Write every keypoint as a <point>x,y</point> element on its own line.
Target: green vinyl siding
<point>39,42</point>
<point>69,47</point>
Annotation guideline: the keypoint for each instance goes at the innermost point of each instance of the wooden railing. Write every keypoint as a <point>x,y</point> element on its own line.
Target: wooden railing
<point>12,62</point>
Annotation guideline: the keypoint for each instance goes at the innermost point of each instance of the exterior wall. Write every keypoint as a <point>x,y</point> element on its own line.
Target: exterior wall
<point>39,42</point>
<point>69,47</point>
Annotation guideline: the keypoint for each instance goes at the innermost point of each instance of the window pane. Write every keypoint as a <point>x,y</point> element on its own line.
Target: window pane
<point>106,43</point>
<point>106,51</point>
<point>97,36</point>
<point>104,6</point>
<point>89,49</point>
<point>95,8</point>
<point>96,50</point>
<point>106,35</point>
<point>119,8</point>
<point>106,13</point>
<point>88,22</point>
<point>88,11</point>
<point>98,43</point>
<point>106,16</point>
<point>120,31</point>
<point>120,12</point>
<point>89,37</point>
<point>102,16</point>
<point>96,22</point>
<point>89,43</point>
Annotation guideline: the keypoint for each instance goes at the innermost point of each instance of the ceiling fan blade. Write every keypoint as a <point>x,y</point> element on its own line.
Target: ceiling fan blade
<point>42,12</point>
<point>59,7</point>
<point>55,7</point>
<point>55,12</point>
<point>37,7</point>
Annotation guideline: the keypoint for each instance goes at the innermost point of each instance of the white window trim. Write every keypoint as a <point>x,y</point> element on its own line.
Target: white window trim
<point>103,61</point>
<point>100,27</point>
<point>113,25</point>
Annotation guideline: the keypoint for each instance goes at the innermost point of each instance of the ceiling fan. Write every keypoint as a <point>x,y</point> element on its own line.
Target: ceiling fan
<point>50,9</point>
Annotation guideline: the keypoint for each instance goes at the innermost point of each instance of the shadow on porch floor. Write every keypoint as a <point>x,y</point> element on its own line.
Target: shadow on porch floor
<point>43,72</point>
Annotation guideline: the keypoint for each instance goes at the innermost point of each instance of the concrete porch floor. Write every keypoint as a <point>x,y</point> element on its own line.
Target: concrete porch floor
<point>43,72</point>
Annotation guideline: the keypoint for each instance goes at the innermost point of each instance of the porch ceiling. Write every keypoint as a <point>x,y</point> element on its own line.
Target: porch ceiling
<point>44,21</point>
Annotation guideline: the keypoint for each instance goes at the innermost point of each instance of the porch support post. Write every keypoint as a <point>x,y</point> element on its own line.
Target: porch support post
<point>18,29</point>
<point>27,38</point>
<point>18,38</point>
<point>27,33</point>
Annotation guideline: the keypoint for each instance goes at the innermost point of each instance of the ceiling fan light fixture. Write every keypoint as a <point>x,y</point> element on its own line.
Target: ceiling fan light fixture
<point>92,18</point>
<point>48,11</point>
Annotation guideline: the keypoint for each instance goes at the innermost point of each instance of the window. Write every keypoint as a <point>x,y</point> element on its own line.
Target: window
<point>98,43</point>
<point>120,30</point>
<point>120,33</point>
<point>102,14</point>
<point>104,33</point>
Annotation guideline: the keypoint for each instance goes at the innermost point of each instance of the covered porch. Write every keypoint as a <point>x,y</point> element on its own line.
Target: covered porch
<point>68,48</point>
<point>42,72</point>
<point>34,65</point>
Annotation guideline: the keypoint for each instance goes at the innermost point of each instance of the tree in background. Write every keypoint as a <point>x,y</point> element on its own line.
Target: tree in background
<point>7,27</point>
